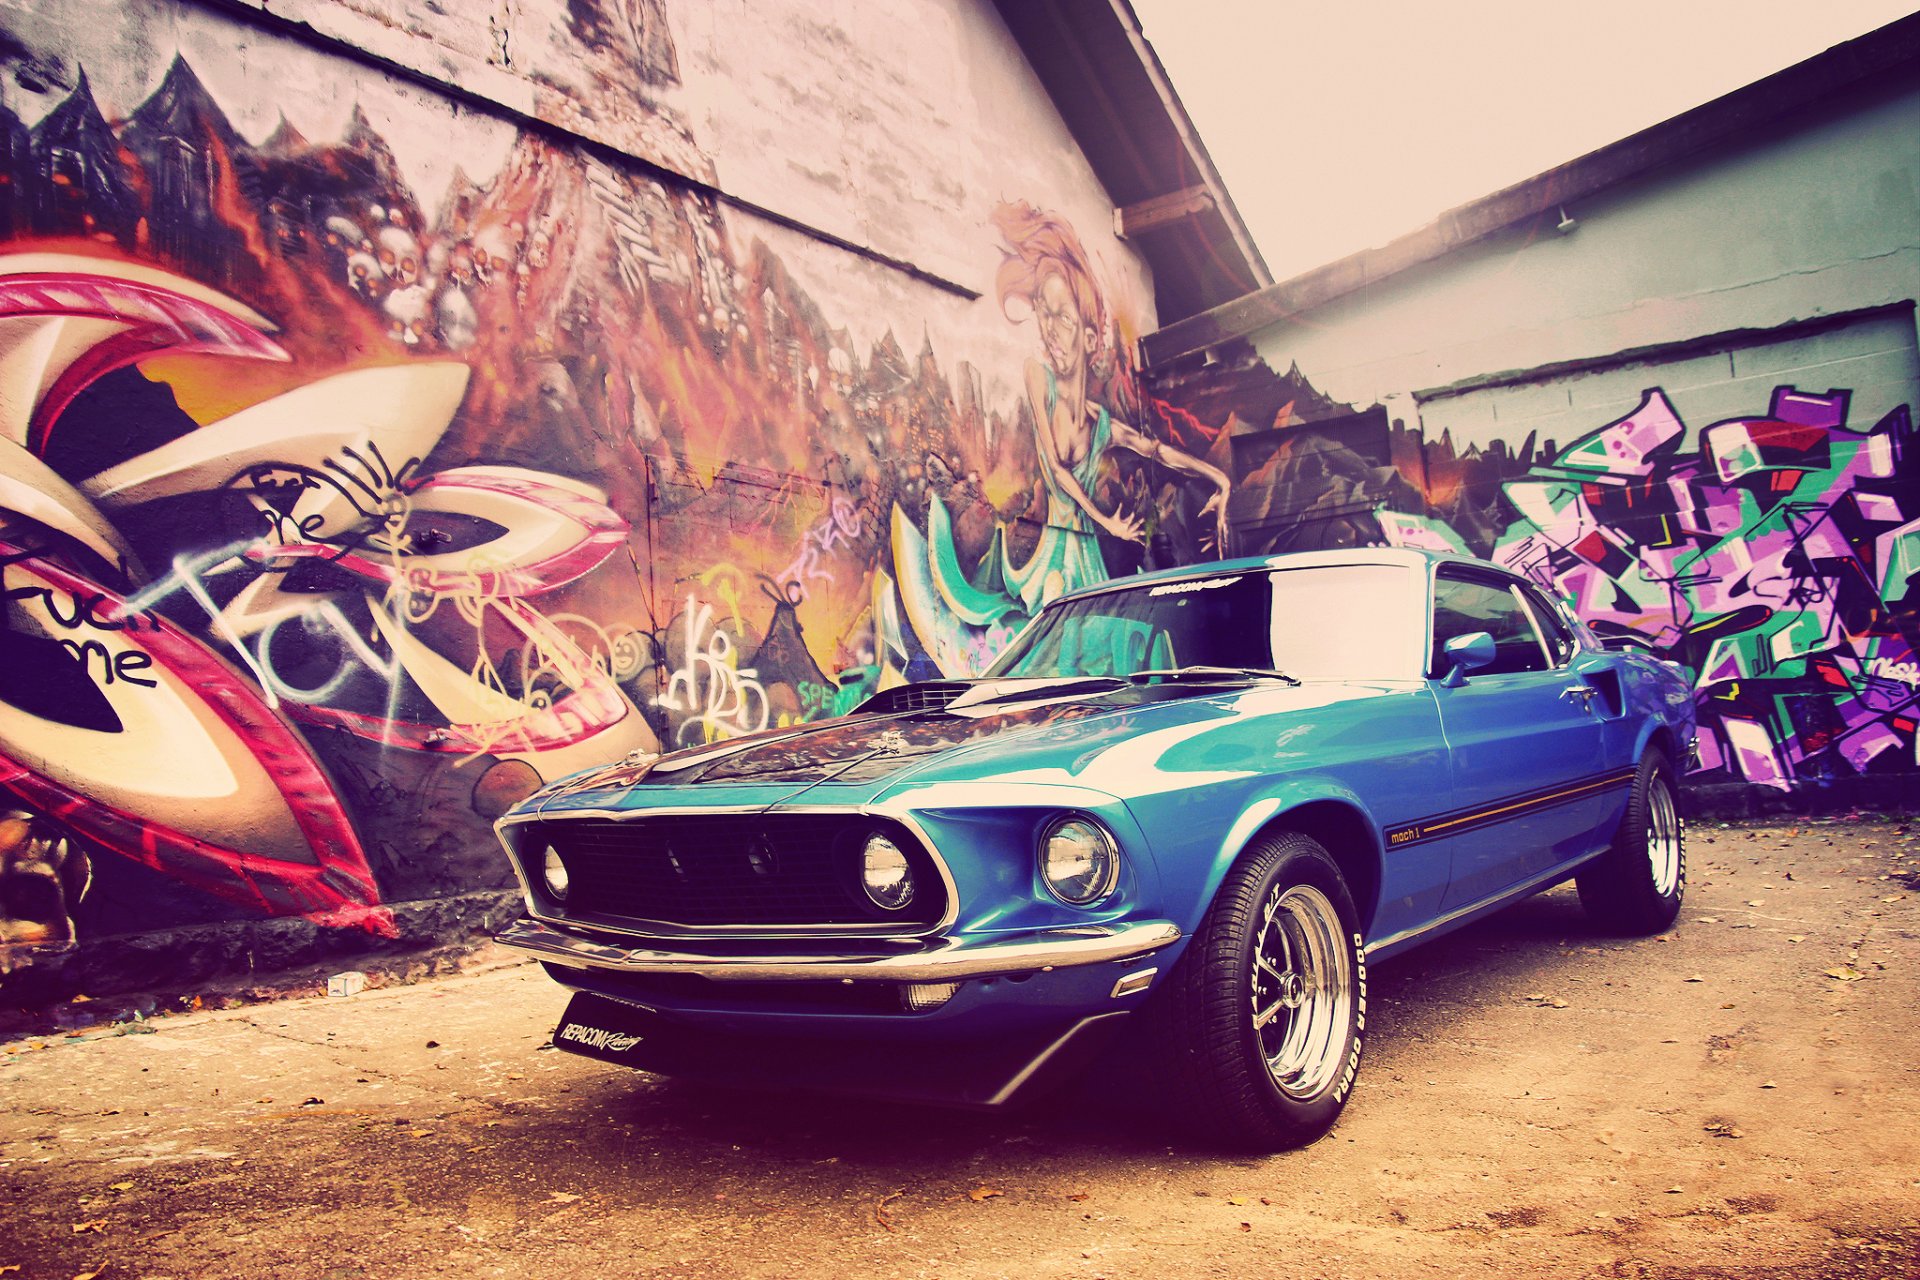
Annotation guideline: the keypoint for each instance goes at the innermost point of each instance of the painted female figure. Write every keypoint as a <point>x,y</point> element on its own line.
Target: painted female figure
<point>1047,268</point>
<point>962,619</point>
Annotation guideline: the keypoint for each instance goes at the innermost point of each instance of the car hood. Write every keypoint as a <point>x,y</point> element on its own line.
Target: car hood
<point>1086,733</point>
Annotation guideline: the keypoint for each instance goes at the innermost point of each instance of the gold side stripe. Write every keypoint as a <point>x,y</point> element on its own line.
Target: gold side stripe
<point>1427,828</point>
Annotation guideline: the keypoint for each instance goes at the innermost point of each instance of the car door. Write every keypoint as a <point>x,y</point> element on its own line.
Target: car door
<point>1524,741</point>
<point>1600,670</point>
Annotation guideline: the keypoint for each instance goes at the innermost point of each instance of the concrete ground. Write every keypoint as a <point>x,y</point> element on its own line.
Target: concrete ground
<point>1740,1097</point>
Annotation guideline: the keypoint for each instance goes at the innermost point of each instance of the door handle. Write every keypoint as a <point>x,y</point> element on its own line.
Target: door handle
<point>1584,694</point>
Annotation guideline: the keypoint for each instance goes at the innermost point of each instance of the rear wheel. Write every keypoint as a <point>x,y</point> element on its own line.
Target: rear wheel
<point>1637,884</point>
<point>1256,1034</point>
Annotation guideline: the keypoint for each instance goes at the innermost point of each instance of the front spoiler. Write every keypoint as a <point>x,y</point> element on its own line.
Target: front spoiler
<point>1006,1069</point>
<point>938,960</point>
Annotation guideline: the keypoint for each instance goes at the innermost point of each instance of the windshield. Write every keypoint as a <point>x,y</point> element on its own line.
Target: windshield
<point>1344,620</point>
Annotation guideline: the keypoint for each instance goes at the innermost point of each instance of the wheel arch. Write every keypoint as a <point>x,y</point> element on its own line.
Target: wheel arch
<point>1662,736</point>
<point>1337,822</point>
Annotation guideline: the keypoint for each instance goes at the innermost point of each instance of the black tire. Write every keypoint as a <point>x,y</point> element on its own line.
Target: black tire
<point>1637,884</point>
<point>1225,1076</point>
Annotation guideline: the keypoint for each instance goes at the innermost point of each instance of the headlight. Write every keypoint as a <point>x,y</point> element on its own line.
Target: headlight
<point>554,873</point>
<point>884,873</point>
<point>1079,861</point>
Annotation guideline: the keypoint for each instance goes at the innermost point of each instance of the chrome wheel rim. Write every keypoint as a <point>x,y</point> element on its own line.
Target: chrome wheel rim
<point>1302,990</point>
<point>1663,837</point>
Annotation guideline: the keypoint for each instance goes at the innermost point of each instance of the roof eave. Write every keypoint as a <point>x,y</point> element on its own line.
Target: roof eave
<point>1114,96</point>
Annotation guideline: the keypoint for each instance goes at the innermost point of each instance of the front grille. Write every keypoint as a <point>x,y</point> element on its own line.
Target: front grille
<point>703,871</point>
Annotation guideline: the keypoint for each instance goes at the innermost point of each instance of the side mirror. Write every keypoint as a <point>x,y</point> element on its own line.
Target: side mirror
<point>1462,654</point>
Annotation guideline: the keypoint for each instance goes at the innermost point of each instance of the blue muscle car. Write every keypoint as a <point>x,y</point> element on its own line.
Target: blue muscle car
<point>1189,805</point>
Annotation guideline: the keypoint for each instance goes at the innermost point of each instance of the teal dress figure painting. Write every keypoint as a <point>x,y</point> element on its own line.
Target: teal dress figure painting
<point>962,619</point>
<point>1067,557</point>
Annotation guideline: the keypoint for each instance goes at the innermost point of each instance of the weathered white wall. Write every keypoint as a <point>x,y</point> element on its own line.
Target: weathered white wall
<point>884,123</point>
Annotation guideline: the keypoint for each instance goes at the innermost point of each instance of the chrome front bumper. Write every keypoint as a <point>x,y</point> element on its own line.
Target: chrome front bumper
<point>942,960</point>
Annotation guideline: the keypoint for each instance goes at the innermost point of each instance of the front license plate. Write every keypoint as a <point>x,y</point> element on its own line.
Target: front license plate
<point>602,1028</point>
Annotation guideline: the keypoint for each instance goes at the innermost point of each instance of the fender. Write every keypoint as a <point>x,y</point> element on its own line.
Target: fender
<point>1283,797</point>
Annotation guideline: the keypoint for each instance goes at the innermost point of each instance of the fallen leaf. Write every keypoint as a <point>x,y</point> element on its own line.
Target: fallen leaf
<point>120,1186</point>
<point>1236,1199</point>
<point>983,1193</point>
<point>94,1274</point>
<point>1694,977</point>
<point>1844,973</point>
<point>1722,1129</point>
<point>423,1133</point>
<point>1769,1085</point>
<point>562,1197</point>
<point>93,1226</point>
<point>1755,902</point>
<point>1796,937</point>
<point>10,1269</point>
<point>1706,919</point>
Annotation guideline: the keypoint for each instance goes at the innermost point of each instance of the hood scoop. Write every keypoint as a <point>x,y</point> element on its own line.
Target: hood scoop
<point>910,699</point>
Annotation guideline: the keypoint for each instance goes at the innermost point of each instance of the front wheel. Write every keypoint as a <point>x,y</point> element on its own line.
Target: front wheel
<point>1637,884</point>
<point>1257,1032</point>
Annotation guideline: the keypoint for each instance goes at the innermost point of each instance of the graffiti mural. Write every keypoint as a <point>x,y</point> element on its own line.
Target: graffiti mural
<point>1774,556</point>
<point>338,511</point>
<point>154,679</point>
<point>1776,561</point>
<point>1079,399</point>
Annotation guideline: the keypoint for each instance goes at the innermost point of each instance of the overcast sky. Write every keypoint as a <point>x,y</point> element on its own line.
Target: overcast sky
<point>1340,124</point>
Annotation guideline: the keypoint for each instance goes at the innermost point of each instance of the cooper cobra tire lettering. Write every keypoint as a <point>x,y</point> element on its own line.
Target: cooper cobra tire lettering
<point>1359,1017</point>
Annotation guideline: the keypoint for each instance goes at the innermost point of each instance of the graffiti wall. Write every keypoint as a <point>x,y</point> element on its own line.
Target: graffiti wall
<point>368,462</point>
<point>1775,554</point>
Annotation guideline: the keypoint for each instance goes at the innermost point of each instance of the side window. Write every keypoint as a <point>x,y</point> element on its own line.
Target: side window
<point>1462,605</point>
<point>1560,642</point>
